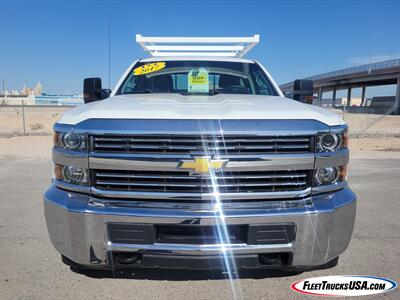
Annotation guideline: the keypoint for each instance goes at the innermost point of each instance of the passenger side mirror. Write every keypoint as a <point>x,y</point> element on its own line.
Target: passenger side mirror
<point>93,91</point>
<point>303,90</point>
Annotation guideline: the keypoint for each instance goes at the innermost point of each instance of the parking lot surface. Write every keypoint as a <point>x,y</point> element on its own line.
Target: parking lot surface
<point>32,269</point>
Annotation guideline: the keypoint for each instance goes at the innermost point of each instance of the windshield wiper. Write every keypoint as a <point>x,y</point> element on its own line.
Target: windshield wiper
<point>210,93</point>
<point>214,92</point>
<point>146,91</point>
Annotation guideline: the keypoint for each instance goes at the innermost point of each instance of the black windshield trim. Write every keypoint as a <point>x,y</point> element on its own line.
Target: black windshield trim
<point>141,62</point>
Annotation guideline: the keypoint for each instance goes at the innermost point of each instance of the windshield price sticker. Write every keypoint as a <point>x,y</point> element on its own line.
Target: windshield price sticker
<point>149,68</point>
<point>198,81</point>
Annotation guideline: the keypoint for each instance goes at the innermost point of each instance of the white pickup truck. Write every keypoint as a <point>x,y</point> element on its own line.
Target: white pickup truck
<point>197,160</point>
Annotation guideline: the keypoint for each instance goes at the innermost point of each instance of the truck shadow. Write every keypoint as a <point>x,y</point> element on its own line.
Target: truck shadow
<point>182,275</point>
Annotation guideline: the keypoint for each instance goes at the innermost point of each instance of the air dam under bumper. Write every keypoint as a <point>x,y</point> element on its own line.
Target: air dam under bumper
<point>77,224</point>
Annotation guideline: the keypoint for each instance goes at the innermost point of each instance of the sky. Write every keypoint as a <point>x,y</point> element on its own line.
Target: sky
<point>59,43</point>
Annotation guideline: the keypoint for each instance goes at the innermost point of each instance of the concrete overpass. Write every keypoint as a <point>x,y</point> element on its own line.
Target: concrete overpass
<point>375,74</point>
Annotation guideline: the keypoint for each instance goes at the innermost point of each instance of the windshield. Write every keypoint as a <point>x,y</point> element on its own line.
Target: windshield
<point>197,77</point>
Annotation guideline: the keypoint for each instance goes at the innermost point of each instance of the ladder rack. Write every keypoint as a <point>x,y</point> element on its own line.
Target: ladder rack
<point>197,46</point>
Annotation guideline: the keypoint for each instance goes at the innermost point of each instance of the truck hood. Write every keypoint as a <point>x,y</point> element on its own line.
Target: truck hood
<point>219,107</point>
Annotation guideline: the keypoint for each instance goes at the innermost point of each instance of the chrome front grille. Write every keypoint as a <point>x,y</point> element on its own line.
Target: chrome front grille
<point>184,182</point>
<point>201,144</point>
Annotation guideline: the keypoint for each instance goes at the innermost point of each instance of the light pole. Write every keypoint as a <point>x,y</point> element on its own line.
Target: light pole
<point>372,51</point>
<point>3,68</point>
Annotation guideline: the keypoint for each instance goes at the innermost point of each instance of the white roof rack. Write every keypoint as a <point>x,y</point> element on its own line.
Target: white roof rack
<point>197,46</point>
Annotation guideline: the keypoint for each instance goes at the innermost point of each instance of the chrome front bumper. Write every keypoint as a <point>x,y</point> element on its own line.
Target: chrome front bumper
<point>77,224</point>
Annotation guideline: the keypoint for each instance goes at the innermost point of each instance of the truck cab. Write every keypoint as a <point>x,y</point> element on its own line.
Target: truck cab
<point>196,160</point>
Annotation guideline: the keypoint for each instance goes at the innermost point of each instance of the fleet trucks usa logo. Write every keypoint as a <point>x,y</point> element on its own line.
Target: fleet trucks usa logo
<point>343,285</point>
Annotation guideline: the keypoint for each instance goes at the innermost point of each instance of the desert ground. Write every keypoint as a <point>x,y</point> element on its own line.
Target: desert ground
<point>39,121</point>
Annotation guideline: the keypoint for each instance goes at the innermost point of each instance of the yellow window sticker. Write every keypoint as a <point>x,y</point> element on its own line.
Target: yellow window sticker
<point>198,81</point>
<point>149,68</point>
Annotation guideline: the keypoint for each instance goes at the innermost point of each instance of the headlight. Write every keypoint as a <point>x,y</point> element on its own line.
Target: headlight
<point>70,174</point>
<point>332,141</point>
<point>329,141</point>
<point>70,141</point>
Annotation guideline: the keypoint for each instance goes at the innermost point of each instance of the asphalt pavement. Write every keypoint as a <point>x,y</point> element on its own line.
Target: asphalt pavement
<point>30,268</point>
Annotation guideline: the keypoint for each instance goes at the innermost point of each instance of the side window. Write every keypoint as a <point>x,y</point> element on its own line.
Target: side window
<point>263,83</point>
<point>130,84</point>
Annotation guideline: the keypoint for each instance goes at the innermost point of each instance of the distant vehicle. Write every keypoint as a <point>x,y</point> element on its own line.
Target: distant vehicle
<point>196,160</point>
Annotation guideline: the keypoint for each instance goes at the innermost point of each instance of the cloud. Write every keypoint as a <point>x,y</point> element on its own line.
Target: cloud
<point>364,60</point>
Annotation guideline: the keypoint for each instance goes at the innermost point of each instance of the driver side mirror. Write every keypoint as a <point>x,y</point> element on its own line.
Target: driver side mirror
<point>93,91</point>
<point>303,90</point>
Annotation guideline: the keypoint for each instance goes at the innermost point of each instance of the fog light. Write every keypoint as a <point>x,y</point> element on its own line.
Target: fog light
<point>75,175</point>
<point>327,175</point>
<point>70,174</point>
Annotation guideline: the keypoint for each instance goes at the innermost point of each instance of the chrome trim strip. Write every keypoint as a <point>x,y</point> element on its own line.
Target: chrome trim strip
<point>204,249</point>
<point>194,177</point>
<point>329,188</point>
<point>273,162</point>
<point>200,206</point>
<point>198,196</point>
<point>332,159</point>
<point>97,161</point>
<point>71,158</point>
<point>194,185</point>
<point>72,187</point>
<point>175,157</point>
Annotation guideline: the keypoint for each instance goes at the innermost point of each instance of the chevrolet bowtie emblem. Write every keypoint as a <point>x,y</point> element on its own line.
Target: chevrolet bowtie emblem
<point>202,165</point>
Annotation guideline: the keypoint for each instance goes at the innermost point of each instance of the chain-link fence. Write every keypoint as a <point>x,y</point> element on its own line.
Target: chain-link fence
<point>368,111</point>
<point>28,119</point>
<point>374,117</point>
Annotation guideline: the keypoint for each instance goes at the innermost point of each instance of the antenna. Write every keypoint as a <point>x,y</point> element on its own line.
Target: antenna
<point>197,46</point>
<point>109,51</point>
